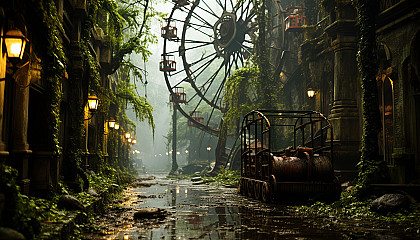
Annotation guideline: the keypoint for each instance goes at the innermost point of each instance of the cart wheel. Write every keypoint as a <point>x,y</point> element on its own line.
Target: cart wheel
<point>273,184</point>
<point>250,188</point>
<point>266,193</point>
<point>257,190</point>
<point>240,186</point>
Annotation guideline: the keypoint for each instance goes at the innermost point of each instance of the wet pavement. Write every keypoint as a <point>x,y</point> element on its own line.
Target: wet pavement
<point>215,212</point>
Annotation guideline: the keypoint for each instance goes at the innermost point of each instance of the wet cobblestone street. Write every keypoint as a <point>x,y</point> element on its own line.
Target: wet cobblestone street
<point>216,212</point>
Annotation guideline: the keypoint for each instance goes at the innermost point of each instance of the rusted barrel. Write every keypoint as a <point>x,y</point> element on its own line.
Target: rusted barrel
<point>311,168</point>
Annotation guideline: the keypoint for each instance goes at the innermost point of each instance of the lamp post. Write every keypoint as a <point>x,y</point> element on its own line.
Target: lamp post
<point>208,153</point>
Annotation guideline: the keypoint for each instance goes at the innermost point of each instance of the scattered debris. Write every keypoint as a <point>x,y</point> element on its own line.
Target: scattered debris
<point>93,193</point>
<point>390,203</point>
<point>70,203</point>
<point>10,234</point>
<point>147,178</point>
<point>195,179</point>
<point>152,212</point>
<point>138,184</point>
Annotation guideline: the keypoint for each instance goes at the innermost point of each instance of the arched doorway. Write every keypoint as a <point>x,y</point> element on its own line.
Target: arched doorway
<point>385,85</point>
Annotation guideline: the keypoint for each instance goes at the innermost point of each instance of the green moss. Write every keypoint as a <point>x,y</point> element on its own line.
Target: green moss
<point>371,166</point>
<point>225,177</point>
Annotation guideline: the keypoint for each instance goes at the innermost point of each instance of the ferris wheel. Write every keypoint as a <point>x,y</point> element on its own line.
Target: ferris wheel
<point>216,37</point>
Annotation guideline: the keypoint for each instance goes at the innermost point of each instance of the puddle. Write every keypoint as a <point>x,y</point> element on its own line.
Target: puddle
<point>206,212</point>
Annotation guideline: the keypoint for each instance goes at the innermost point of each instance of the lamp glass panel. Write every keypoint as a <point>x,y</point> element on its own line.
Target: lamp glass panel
<point>117,126</point>
<point>311,93</point>
<point>93,104</point>
<point>112,124</point>
<point>15,47</point>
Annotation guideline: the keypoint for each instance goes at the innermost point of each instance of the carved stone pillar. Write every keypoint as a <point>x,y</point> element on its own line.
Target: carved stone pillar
<point>345,113</point>
<point>3,152</point>
<point>19,146</point>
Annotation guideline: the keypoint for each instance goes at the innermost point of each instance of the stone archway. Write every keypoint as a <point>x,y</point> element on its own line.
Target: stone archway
<point>385,82</point>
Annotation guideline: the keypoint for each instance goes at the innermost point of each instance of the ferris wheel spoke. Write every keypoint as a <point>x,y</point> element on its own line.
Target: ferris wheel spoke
<point>201,19</point>
<point>250,16</point>
<point>241,58</point>
<point>246,9</point>
<point>194,24</point>
<point>177,72</point>
<point>247,49</point>
<point>233,6</point>
<point>221,5</point>
<point>209,12</point>
<point>228,67</point>
<point>211,79</point>
<point>211,9</point>
<point>203,67</point>
<point>192,98</point>
<point>186,49</point>
<point>198,29</point>
<point>204,58</point>
<point>211,114</point>
<point>197,41</point>
<point>236,61</point>
<point>176,85</point>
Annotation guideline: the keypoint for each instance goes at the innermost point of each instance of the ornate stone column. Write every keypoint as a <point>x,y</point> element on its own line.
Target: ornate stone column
<point>19,147</point>
<point>345,113</point>
<point>3,152</point>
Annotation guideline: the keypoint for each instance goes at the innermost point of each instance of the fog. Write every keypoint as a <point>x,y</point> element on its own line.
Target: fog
<point>206,67</point>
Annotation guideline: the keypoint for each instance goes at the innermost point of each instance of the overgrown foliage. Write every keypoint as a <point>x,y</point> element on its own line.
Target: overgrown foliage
<point>371,167</point>
<point>240,94</point>
<point>266,89</point>
<point>225,177</point>
<point>351,208</point>
<point>19,212</point>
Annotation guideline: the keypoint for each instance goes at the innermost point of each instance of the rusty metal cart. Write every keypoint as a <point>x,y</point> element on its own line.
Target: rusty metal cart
<point>273,170</point>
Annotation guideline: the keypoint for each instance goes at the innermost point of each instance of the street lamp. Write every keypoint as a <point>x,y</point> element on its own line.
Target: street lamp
<point>15,43</point>
<point>117,126</point>
<point>208,148</point>
<point>311,93</point>
<point>93,102</point>
<point>127,135</point>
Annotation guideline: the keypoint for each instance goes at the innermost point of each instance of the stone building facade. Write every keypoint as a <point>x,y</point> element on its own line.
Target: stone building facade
<point>328,64</point>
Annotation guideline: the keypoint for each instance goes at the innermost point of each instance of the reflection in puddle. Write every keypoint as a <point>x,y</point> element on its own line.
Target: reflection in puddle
<point>207,212</point>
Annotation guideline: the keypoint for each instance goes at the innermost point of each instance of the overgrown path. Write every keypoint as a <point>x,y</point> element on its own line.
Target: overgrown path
<point>188,211</point>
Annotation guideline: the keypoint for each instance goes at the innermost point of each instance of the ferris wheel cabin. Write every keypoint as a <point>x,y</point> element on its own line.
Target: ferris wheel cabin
<point>167,63</point>
<point>178,95</point>
<point>296,19</point>
<point>198,117</point>
<point>169,32</point>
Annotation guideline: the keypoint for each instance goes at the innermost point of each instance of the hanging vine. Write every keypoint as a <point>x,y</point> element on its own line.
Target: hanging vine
<point>53,68</point>
<point>240,96</point>
<point>262,56</point>
<point>370,165</point>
